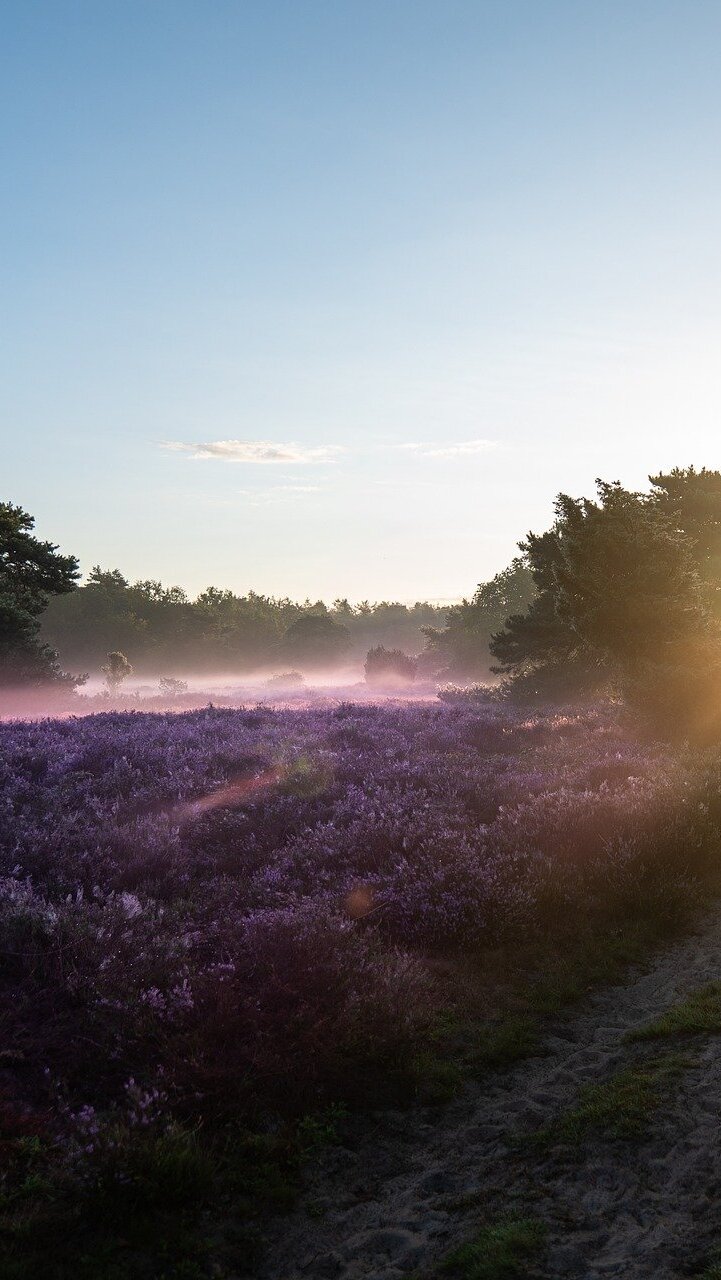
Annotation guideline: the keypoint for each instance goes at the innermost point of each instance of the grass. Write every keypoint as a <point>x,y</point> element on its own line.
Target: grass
<point>504,1005</point>
<point>500,1251</point>
<point>179,1206</point>
<point>621,1107</point>
<point>698,1014</point>
<point>500,1044</point>
<point>711,1266</point>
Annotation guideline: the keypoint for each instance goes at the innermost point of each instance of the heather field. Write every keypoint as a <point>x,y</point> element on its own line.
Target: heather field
<point>227,933</point>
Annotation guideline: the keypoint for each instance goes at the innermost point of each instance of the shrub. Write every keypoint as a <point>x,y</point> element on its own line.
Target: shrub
<point>285,680</point>
<point>389,667</point>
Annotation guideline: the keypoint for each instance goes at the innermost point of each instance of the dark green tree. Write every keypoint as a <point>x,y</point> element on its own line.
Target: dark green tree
<point>461,647</point>
<point>218,632</point>
<point>691,502</point>
<point>316,641</point>
<point>30,572</point>
<point>620,604</point>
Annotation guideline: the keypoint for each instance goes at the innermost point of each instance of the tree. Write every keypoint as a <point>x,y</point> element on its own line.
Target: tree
<point>219,631</point>
<point>30,572</point>
<point>389,666</point>
<point>691,502</point>
<point>315,640</point>
<point>172,687</point>
<point>619,598</point>
<point>117,670</point>
<point>461,648</point>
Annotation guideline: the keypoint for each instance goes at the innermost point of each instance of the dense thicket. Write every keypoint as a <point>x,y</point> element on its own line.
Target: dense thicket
<point>30,572</point>
<point>461,647</point>
<point>160,628</point>
<point>627,600</point>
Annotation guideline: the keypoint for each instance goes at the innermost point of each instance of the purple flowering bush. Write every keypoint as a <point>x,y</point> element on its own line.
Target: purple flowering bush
<point>223,914</point>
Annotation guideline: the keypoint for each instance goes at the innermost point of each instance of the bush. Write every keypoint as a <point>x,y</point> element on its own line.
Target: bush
<point>305,1006</point>
<point>285,680</point>
<point>389,667</point>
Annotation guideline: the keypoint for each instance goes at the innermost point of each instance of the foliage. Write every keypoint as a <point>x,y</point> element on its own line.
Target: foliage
<point>285,680</point>
<point>30,572</point>
<point>461,647</point>
<point>690,501</point>
<point>171,687</point>
<point>117,670</point>
<point>316,640</point>
<point>389,666</point>
<point>161,628</point>
<point>621,605</point>
<point>500,1251</point>
<point>220,916</point>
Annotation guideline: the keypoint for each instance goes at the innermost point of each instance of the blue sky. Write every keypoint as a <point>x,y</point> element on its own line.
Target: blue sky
<point>332,298</point>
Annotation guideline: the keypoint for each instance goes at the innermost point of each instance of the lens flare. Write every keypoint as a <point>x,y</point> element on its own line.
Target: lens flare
<point>232,793</point>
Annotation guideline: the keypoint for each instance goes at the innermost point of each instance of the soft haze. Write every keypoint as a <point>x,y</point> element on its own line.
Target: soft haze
<point>332,298</point>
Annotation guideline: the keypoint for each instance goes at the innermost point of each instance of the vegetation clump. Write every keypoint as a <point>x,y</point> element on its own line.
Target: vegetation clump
<point>31,572</point>
<point>698,1014</point>
<point>117,670</point>
<point>501,1251</point>
<point>621,1107</point>
<point>285,680</point>
<point>388,667</point>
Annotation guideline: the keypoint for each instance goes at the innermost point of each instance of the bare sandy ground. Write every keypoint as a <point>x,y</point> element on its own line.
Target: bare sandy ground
<point>420,1182</point>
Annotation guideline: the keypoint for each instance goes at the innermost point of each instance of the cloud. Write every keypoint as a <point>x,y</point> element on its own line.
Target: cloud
<point>278,493</point>
<point>294,488</point>
<point>255,451</point>
<point>461,449</point>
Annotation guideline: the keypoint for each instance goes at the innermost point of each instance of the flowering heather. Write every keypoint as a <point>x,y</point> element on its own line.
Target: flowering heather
<point>227,910</point>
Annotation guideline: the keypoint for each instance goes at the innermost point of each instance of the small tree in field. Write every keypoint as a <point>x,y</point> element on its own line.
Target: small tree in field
<point>118,669</point>
<point>171,687</point>
<point>389,666</point>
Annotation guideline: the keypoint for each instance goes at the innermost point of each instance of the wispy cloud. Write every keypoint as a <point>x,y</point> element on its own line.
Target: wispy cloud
<point>254,451</point>
<point>294,488</point>
<point>459,449</point>
<point>279,493</point>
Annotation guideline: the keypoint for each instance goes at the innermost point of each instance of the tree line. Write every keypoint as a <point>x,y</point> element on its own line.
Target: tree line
<point>621,596</point>
<point>161,628</point>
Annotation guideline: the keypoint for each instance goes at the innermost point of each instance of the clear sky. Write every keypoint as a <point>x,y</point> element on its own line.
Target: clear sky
<point>331,298</point>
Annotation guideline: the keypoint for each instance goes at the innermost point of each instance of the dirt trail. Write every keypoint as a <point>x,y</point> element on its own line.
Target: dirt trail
<point>420,1183</point>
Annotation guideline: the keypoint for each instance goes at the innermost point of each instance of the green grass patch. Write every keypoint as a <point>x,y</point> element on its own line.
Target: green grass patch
<point>621,1107</point>
<point>698,1014</point>
<point>712,1267</point>
<point>500,1251</point>
<point>436,1078</point>
<point>506,1001</point>
<point>179,1205</point>
<point>507,1041</point>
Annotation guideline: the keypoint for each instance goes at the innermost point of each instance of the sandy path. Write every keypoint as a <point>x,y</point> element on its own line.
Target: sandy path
<point>419,1183</point>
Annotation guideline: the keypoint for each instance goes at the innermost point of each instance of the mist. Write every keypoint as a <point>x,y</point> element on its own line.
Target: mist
<point>223,689</point>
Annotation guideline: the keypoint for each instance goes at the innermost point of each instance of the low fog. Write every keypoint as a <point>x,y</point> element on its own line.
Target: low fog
<point>224,689</point>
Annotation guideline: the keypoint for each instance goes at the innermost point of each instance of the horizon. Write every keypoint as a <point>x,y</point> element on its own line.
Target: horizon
<point>335,299</point>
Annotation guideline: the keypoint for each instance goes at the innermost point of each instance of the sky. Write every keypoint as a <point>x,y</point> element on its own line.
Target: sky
<point>331,297</point>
